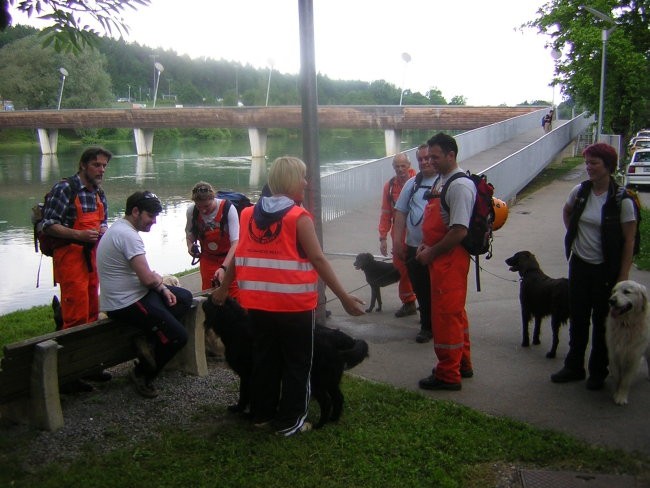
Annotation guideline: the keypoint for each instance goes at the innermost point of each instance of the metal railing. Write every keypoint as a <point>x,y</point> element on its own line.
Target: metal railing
<point>346,190</point>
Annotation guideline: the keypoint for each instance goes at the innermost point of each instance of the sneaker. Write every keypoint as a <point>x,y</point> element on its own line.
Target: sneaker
<point>406,310</point>
<point>100,377</point>
<point>423,336</point>
<point>595,383</point>
<point>145,352</point>
<point>305,427</point>
<point>566,375</point>
<point>141,385</point>
<point>433,383</point>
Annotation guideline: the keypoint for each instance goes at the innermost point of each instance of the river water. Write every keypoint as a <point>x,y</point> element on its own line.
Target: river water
<point>26,175</point>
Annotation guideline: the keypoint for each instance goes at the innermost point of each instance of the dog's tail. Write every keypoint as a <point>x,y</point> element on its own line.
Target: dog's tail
<point>355,355</point>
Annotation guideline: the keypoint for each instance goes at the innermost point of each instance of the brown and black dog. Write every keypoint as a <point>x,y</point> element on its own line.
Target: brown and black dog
<point>539,297</point>
<point>378,274</point>
<point>334,352</point>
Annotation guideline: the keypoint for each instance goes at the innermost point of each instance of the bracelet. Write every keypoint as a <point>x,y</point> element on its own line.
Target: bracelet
<point>224,268</point>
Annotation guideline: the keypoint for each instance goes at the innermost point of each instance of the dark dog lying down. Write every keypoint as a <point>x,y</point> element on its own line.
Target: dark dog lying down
<point>378,274</point>
<point>539,296</point>
<point>334,352</point>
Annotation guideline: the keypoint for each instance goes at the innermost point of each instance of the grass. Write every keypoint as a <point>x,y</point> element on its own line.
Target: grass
<point>387,437</point>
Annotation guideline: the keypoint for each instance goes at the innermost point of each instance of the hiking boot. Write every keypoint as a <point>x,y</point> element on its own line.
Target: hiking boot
<point>406,310</point>
<point>423,336</point>
<point>145,352</point>
<point>432,383</point>
<point>142,386</point>
<point>566,375</point>
<point>99,377</point>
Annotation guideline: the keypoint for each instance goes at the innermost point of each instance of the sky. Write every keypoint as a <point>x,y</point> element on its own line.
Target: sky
<point>472,48</point>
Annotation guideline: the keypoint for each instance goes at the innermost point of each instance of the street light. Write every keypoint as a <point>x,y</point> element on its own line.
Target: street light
<point>159,69</point>
<point>64,73</point>
<point>605,37</point>
<point>406,57</point>
<point>268,86</point>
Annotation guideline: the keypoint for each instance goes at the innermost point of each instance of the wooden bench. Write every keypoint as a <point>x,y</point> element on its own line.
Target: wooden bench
<point>32,370</point>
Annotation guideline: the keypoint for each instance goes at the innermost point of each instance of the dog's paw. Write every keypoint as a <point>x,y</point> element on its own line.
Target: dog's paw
<point>368,310</point>
<point>550,354</point>
<point>536,342</point>
<point>620,398</point>
<point>525,344</point>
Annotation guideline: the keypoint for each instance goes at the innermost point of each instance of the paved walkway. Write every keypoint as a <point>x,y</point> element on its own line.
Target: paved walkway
<point>509,380</point>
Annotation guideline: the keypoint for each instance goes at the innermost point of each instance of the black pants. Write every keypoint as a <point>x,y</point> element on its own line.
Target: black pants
<point>160,324</point>
<point>283,345</point>
<point>419,276</point>
<point>589,291</point>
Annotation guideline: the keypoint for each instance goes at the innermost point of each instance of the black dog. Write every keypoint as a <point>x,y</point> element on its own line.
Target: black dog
<point>378,274</point>
<point>334,352</point>
<point>540,296</point>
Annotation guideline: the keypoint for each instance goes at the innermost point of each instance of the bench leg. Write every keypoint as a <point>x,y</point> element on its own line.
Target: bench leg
<point>192,357</point>
<point>46,410</point>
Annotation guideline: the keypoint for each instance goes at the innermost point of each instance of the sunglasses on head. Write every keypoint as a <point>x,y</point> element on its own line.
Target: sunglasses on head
<point>202,189</point>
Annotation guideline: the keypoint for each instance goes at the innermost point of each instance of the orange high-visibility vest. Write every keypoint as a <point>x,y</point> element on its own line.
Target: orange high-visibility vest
<point>271,272</point>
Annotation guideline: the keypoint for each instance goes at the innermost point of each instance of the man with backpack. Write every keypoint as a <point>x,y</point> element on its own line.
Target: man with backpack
<point>408,222</point>
<point>441,249</point>
<point>74,217</point>
<point>214,223</point>
<point>389,196</point>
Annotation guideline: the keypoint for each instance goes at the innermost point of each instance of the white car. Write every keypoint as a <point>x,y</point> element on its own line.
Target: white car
<point>643,133</point>
<point>638,171</point>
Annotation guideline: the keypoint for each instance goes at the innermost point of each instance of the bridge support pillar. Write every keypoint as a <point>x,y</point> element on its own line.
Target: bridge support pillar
<point>49,139</point>
<point>393,140</point>
<point>257,139</point>
<point>143,141</point>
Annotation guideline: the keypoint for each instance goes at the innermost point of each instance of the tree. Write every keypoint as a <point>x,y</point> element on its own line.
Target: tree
<point>458,100</point>
<point>29,76</point>
<point>577,34</point>
<point>75,23</point>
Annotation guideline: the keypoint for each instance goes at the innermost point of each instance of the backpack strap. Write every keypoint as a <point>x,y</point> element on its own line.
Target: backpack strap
<point>445,187</point>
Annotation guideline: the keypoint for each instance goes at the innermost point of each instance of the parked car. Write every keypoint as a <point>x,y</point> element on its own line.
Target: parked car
<point>643,133</point>
<point>638,171</point>
<point>639,143</point>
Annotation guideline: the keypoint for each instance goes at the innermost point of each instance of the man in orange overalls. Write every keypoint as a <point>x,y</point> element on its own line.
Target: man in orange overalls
<point>448,264</point>
<point>389,196</point>
<point>76,214</point>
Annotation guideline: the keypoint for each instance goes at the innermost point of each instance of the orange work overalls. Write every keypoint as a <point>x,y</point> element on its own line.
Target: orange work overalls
<point>449,324</point>
<point>76,271</point>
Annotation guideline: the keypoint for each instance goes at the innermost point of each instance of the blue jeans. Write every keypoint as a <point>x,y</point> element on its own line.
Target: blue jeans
<point>160,324</point>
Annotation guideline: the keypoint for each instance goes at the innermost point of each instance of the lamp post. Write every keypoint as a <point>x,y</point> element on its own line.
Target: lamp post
<point>268,86</point>
<point>605,37</point>
<point>159,69</point>
<point>64,73</point>
<point>406,57</point>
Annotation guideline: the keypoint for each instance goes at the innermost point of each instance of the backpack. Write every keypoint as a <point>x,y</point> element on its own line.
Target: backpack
<point>239,200</point>
<point>479,233</point>
<point>45,242</point>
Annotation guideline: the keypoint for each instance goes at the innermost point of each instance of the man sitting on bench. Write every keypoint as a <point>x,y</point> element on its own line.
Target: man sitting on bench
<point>131,292</point>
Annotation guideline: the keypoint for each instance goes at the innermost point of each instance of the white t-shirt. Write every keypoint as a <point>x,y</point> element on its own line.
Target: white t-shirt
<point>413,207</point>
<point>588,242</point>
<point>460,197</point>
<point>233,220</point>
<point>119,285</point>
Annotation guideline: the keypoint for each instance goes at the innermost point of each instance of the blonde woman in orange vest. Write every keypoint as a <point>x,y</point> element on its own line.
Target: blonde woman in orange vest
<point>278,262</point>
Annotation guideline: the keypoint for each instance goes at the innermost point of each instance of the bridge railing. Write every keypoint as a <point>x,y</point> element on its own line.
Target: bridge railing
<point>510,175</point>
<point>351,188</point>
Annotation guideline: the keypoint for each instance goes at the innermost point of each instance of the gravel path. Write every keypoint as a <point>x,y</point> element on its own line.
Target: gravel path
<point>103,419</point>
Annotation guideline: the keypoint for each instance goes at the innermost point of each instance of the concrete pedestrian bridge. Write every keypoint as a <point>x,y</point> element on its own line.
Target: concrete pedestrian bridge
<point>390,118</point>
